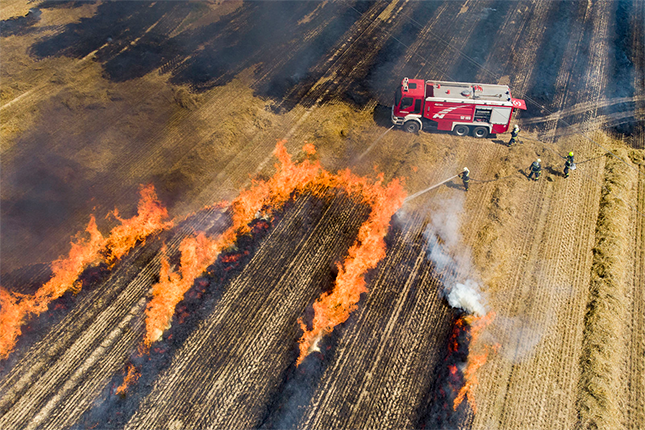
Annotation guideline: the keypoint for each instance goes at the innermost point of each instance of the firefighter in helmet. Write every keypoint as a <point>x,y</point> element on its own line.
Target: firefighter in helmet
<point>536,169</point>
<point>514,133</point>
<point>465,177</point>
<point>568,165</point>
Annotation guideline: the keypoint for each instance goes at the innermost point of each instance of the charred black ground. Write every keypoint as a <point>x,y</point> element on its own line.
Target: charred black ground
<point>269,37</point>
<point>272,33</point>
<point>449,378</point>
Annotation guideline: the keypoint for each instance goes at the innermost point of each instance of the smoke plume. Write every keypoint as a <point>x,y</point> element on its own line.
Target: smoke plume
<point>452,258</point>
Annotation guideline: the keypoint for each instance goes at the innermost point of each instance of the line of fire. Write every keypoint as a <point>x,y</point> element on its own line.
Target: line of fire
<point>193,275</point>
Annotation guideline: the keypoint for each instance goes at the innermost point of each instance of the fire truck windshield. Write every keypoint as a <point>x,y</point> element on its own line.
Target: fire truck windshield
<point>407,103</point>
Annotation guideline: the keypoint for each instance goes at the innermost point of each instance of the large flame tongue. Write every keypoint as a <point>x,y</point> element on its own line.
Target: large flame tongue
<point>151,217</point>
<point>16,308</point>
<point>67,270</point>
<point>11,316</point>
<point>333,308</point>
<point>197,253</point>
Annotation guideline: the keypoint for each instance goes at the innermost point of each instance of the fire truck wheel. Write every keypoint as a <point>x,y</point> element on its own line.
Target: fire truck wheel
<point>411,126</point>
<point>461,130</point>
<point>480,132</point>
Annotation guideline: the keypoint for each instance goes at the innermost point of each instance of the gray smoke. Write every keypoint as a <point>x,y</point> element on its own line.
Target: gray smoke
<point>452,258</point>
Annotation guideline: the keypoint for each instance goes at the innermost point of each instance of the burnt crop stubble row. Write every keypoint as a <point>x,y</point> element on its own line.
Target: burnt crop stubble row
<point>384,363</point>
<point>238,354</point>
<point>76,345</point>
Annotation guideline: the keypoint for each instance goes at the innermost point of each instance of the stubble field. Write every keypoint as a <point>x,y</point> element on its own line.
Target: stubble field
<point>100,99</point>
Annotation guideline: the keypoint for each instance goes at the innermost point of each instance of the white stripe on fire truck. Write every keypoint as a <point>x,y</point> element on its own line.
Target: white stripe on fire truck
<point>442,113</point>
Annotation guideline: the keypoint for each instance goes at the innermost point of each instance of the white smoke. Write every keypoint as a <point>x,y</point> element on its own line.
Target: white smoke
<point>466,296</point>
<point>452,259</point>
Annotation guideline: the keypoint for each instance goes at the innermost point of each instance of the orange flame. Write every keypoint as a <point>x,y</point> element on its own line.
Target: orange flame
<point>197,253</point>
<point>475,361</point>
<point>16,308</point>
<point>151,216</point>
<point>12,314</point>
<point>131,377</point>
<point>331,309</point>
<point>67,270</point>
<point>309,149</point>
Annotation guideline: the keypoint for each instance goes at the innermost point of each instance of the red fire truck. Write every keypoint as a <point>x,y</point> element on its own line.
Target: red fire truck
<point>459,107</point>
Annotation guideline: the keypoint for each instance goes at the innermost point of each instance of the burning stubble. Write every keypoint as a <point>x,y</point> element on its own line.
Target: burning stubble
<point>264,198</point>
<point>453,264</point>
<point>261,199</point>
<point>16,308</point>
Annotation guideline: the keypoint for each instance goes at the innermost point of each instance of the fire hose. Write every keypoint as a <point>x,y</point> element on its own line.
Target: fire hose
<point>374,143</point>
<point>417,194</point>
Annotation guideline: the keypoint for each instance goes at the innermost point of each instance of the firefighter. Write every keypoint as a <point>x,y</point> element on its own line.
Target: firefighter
<point>568,165</point>
<point>465,177</point>
<point>536,169</point>
<point>514,133</point>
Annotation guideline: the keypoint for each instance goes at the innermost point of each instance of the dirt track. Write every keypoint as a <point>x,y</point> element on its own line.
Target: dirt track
<point>193,96</point>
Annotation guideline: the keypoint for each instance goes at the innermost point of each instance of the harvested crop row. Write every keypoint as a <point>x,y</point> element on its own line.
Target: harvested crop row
<point>599,388</point>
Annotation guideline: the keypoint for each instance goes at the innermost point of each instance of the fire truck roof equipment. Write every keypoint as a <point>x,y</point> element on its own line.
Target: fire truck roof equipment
<point>472,93</point>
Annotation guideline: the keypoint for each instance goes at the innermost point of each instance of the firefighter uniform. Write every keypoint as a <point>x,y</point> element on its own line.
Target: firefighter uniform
<point>536,169</point>
<point>514,133</point>
<point>568,164</point>
<point>465,177</point>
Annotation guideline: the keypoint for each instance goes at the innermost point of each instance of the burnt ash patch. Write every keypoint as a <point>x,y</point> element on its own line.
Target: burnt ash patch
<point>299,383</point>
<point>551,55</point>
<point>64,4</point>
<point>21,25</point>
<point>481,42</point>
<point>439,413</point>
<point>621,84</point>
<point>134,38</point>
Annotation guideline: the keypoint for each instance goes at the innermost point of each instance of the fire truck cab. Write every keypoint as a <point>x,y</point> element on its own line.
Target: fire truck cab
<point>459,107</point>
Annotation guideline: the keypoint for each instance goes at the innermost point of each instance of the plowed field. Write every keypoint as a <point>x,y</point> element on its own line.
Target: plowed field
<point>100,98</point>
